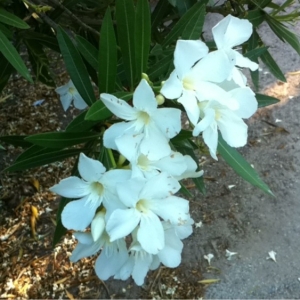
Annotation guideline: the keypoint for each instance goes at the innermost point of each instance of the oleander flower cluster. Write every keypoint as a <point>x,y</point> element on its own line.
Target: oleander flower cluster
<point>130,215</point>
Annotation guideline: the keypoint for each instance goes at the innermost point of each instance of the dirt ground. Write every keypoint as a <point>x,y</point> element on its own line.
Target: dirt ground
<point>241,218</point>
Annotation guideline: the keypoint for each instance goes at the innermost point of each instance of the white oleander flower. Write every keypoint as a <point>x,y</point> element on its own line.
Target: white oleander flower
<point>147,201</point>
<point>193,67</point>
<point>209,257</point>
<point>69,93</point>
<point>175,164</point>
<point>93,188</point>
<point>231,32</point>
<point>148,129</point>
<point>112,256</point>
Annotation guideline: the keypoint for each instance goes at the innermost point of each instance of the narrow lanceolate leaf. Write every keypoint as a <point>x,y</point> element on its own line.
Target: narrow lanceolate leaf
<point>184,23</point>
<point>88,51</point>
<point>269,61</point>
<point>125,15</point>
<point>79,124</point>
<point>160,68</point>
<point>161,9</point>
<point>264,100</point>
<point>194,25</point>
<point>12,55</point>
<point>98,112</point>
<point>241,166</point>
<point>42,159</point>
<point>283,33</point>
<point>10,19</point>
<point>76,67</point>
<point>253,43</point>
<point>142,37</point>
<point>61,139</point>
<point>107,59</point>
<point>256,16</point>
<point>16,140</point>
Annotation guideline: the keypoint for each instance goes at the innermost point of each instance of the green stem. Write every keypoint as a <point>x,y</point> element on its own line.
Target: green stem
<point>111,157</point>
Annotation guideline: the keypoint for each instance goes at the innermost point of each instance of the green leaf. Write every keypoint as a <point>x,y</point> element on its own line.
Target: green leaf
<point>32,151</point>
<point>264,100</point>
<point>12,55</point>
<point>105,159</point>
<point>10,19</point>
<point>142,37</point>
<point>47,40</point>
<point>241,166</point>
<point>79,124</point>
<point>98,112</point>
<point>183,135</point>
<point>253,43</point>
<point>193,27</point>
<point>5,71</point>
<point>107,66</point>
<point>42,159</point>
<point>184,23</point>
<point>256,17</point>
<point>282,7</point>
<point>268,60</point>
<point>2,148</point>
<point>15,140</point>
<point>161,9</point>
<point>184,5</point>
<point>255,53</point>
<point>283,33</point>
<point>88,51</point>
<point>8,33</point>
<point>60,230</point>
<point>61,139</point>
<point>76,67</point>
<point>125,15</point>
<point>161,67</point>
<point>39,62</point>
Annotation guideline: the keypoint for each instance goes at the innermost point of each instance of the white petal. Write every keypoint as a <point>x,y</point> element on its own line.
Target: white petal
<point>129,193</point>
<point>184,230</point>
<point>151,233</point>
<point>190,104</point>
<point>187,53</point>
<point>84,237</point>
<point>208,120</point>
<point>71,187</point>
<point>247,102</point>
<point>144,98</point>
<point>121,223</point>
<point>245,62</point>
<point>83,250</point>
<point>155,263</point>
<point>141,268</point>
<point>66,100</point>
<point>231,31</point>
<point>191,168</point>
<point>129,144</point>
<point>114,131</point>
<point>126,269</point>
<point>118,107</point>
<point>174,164</point>
<point>112,178</point>
<point>173,209</point>
<point>238,77</point>
<point>61,90</point>
<point>160,186</point>
<point>98,225</point>
<point>79,103</point>
<point>210,137</point>
<point>215,67</point>
<point>170,255</point>
<point>172,88</point>
<point>107,266</point>
<point>233,129</point>
<point>154,144</point>
<point>90,170</point>
<point>168,120</point>
<point>78,215</point>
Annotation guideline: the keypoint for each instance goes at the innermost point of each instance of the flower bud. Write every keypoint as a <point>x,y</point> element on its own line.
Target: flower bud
<point>98,225</point>
<point>160,99</point>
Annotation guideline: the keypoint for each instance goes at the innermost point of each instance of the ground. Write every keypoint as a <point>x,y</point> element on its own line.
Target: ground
<point>235,215</point>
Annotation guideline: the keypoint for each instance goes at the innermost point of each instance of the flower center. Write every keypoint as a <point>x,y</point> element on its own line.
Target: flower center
<point>218,115</point>
<point>97,188</point>
<point>143,162</point>
<point>144,117</point>
<point>188,84</point>
<point>142,206</point>
<point>72,90</point>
